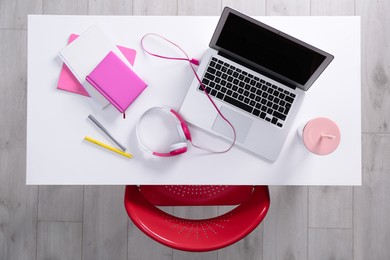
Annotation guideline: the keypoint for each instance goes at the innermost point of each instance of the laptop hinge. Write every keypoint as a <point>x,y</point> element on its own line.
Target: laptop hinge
<point>257,69</point>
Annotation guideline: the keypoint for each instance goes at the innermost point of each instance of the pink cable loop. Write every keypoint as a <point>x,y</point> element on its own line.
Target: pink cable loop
<point>191,62</point>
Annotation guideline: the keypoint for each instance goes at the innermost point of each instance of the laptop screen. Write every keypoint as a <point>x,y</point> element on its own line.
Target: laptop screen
<point>284,57</point>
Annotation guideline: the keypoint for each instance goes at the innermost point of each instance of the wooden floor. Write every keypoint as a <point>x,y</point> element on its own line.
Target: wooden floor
<point>89,222</point>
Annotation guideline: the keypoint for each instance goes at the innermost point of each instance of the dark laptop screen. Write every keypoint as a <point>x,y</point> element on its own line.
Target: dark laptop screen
<point>269,49</point>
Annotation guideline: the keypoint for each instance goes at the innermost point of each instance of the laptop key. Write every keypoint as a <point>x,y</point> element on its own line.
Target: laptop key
<point>256,112</point>
<point>209,76</point>
<point>211,70</point>
<point>213,92</point>
<point>205,81</point>
<point>220,95</point>
<point>262,115</point>
<point>289,99</point>
<point>279,115</point>
<point>238,104</point>
<point>274,120</point>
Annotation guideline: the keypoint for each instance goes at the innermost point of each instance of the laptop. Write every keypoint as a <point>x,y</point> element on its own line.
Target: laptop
<point>257,77</point>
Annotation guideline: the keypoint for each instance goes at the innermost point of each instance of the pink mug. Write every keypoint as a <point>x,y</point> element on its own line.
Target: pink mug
<point>320,135</point>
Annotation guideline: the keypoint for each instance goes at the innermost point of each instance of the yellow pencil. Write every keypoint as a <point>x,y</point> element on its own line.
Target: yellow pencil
<point>89,139</point>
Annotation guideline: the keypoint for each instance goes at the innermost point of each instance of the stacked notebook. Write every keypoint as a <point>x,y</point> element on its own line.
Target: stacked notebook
<point>102,69</point>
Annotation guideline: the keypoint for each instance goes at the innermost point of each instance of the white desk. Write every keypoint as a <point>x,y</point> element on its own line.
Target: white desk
<point>57,121</point>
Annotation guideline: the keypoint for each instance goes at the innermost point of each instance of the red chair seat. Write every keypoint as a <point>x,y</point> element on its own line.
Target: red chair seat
<point>200,234</point>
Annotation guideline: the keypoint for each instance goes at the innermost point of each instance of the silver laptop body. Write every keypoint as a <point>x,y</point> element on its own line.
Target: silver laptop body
<point>257,77</point>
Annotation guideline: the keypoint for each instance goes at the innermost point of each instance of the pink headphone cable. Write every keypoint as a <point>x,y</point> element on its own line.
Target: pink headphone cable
<point>191,62</point>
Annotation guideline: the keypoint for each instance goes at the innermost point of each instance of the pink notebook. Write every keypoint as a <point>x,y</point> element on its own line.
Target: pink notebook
<point>116,82</point>
<point>69,83</point>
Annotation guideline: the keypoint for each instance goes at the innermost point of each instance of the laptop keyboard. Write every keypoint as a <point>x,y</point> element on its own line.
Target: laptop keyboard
<point>247,92</point>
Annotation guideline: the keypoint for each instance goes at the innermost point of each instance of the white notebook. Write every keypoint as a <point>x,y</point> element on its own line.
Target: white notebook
<point>85,53</point>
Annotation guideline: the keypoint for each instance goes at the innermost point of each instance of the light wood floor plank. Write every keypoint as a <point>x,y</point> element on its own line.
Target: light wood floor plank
<point>287,7</point>
<point>325,244</point>
<point>285,226</point>
<point>199,7</point>
<point>249,7</point>
<point>332,7</point>
<point>250,247</point>
<point>59,240</point>
<point>110,7</point>
<point>60,203</point>
<point>371,201</point>
<point>180,255</point>
<point>13,13</point>
<point>18,202</point>
<point>104,223</point>
<point>140,246</point>
<point>154,7</point>
<point>65,7</point>
<point>375,22</point>
<point>330,207</point>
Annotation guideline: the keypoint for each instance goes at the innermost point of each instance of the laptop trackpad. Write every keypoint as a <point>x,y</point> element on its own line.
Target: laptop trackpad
<point>241,124</point>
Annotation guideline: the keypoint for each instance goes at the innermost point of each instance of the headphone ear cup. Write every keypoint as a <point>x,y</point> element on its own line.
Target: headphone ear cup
<point>184,132</point>
<point>178,148</point>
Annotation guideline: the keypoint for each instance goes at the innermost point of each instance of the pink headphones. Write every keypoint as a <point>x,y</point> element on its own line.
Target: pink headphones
<point>184,133</point>
<point>181,147</point>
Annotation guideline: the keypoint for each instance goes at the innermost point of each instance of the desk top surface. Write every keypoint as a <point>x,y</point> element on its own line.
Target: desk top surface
<point>57,121</point>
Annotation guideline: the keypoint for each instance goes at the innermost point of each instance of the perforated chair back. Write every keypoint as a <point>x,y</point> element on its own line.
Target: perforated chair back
<point>195,195</point>
<point>196,235</point>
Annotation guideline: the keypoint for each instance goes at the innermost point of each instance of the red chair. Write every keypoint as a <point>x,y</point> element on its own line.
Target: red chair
<point>197,235</point>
